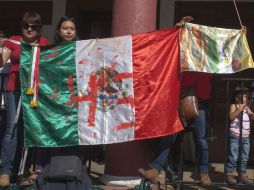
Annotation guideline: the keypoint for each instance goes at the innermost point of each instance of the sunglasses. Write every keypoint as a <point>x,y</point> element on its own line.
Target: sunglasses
<point>34,27</point>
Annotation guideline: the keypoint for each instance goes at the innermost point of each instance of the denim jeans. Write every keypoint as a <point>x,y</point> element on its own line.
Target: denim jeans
<point>201,141</point>
<point>165,144</point>
<point>10,137</point>
<point>162,150</point>
<point>2,123</point>
<point>233,153</point>
<point>174,170</point>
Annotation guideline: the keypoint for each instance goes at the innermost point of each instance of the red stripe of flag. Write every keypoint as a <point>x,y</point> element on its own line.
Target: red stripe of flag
<point>156,75</point>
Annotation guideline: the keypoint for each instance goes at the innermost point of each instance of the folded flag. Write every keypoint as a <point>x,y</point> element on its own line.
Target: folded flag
<point>213,50</point>
<point>101,91</point>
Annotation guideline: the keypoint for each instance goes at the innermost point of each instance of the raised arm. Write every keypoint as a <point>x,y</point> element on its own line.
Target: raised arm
<point>5,53</point>
<point>183,20</point>
<point>234,111</point>
<point>244,29</point>
<point>251,114</point>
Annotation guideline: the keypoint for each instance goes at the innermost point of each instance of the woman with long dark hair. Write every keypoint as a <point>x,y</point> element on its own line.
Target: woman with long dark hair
<point>65,32</point>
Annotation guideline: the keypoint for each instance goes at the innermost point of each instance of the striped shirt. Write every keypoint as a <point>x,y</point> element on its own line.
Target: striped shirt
<point>235,124</point>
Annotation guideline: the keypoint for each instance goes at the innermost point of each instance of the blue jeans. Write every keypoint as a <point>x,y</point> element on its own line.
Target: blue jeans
<point>233,153</point>
<point>10,137</point>
<point>162,150</point>
<point>198,127</point>
<point>201,141</point>
<point>165,144</point>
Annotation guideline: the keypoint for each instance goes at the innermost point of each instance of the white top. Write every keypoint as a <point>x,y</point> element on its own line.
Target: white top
<point>235,124</point>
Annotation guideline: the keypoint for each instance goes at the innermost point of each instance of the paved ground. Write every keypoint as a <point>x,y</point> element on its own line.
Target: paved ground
<point>190,178</point>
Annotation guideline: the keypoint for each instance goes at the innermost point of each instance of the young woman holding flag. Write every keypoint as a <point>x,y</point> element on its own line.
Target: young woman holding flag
<point>65,32</point>
<point>31,28</point>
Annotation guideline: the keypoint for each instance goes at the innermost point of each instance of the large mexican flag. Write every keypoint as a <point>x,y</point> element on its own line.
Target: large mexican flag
<point>101,91</point>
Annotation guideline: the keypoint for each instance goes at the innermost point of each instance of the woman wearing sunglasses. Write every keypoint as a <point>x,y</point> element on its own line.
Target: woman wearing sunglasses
<point>65,32</point>
<point>31,27</point>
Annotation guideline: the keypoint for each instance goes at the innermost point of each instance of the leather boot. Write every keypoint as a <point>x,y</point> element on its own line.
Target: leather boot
<point>230,179</point>
<point>205,179</point>
<point>244,179</point>
<point>4,180</point>
<point>151,174</point>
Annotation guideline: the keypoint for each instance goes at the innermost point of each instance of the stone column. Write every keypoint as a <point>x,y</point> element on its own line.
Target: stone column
<point>124,159</point>
<point>133,16</point>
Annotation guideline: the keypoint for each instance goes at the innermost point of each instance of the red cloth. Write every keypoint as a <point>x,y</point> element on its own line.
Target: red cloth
<point>201,82</point>
<point>13,83</point>
<point>156,76</point>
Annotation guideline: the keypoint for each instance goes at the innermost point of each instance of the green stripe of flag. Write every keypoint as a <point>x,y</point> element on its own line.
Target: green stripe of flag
<point>54,93</point>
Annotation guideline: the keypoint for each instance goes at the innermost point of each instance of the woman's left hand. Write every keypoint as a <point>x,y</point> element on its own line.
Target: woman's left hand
<point>183,20</point>
<point>244,30</point>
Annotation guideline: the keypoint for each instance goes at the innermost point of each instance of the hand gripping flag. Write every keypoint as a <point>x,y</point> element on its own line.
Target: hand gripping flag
<point>101,91</point>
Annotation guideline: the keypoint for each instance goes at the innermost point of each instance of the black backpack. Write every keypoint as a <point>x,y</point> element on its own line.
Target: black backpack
<point>64,173</point>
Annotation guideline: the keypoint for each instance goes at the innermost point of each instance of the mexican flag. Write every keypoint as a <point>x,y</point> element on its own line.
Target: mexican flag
<point>213,50</point>
<point>101,91</point>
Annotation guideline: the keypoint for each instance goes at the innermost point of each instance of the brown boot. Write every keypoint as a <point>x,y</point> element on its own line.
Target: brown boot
<point>4,180</point>
<point>151,174</point>
<point>205,179</point>
<point>244,179</point>
<point>230,179</point>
